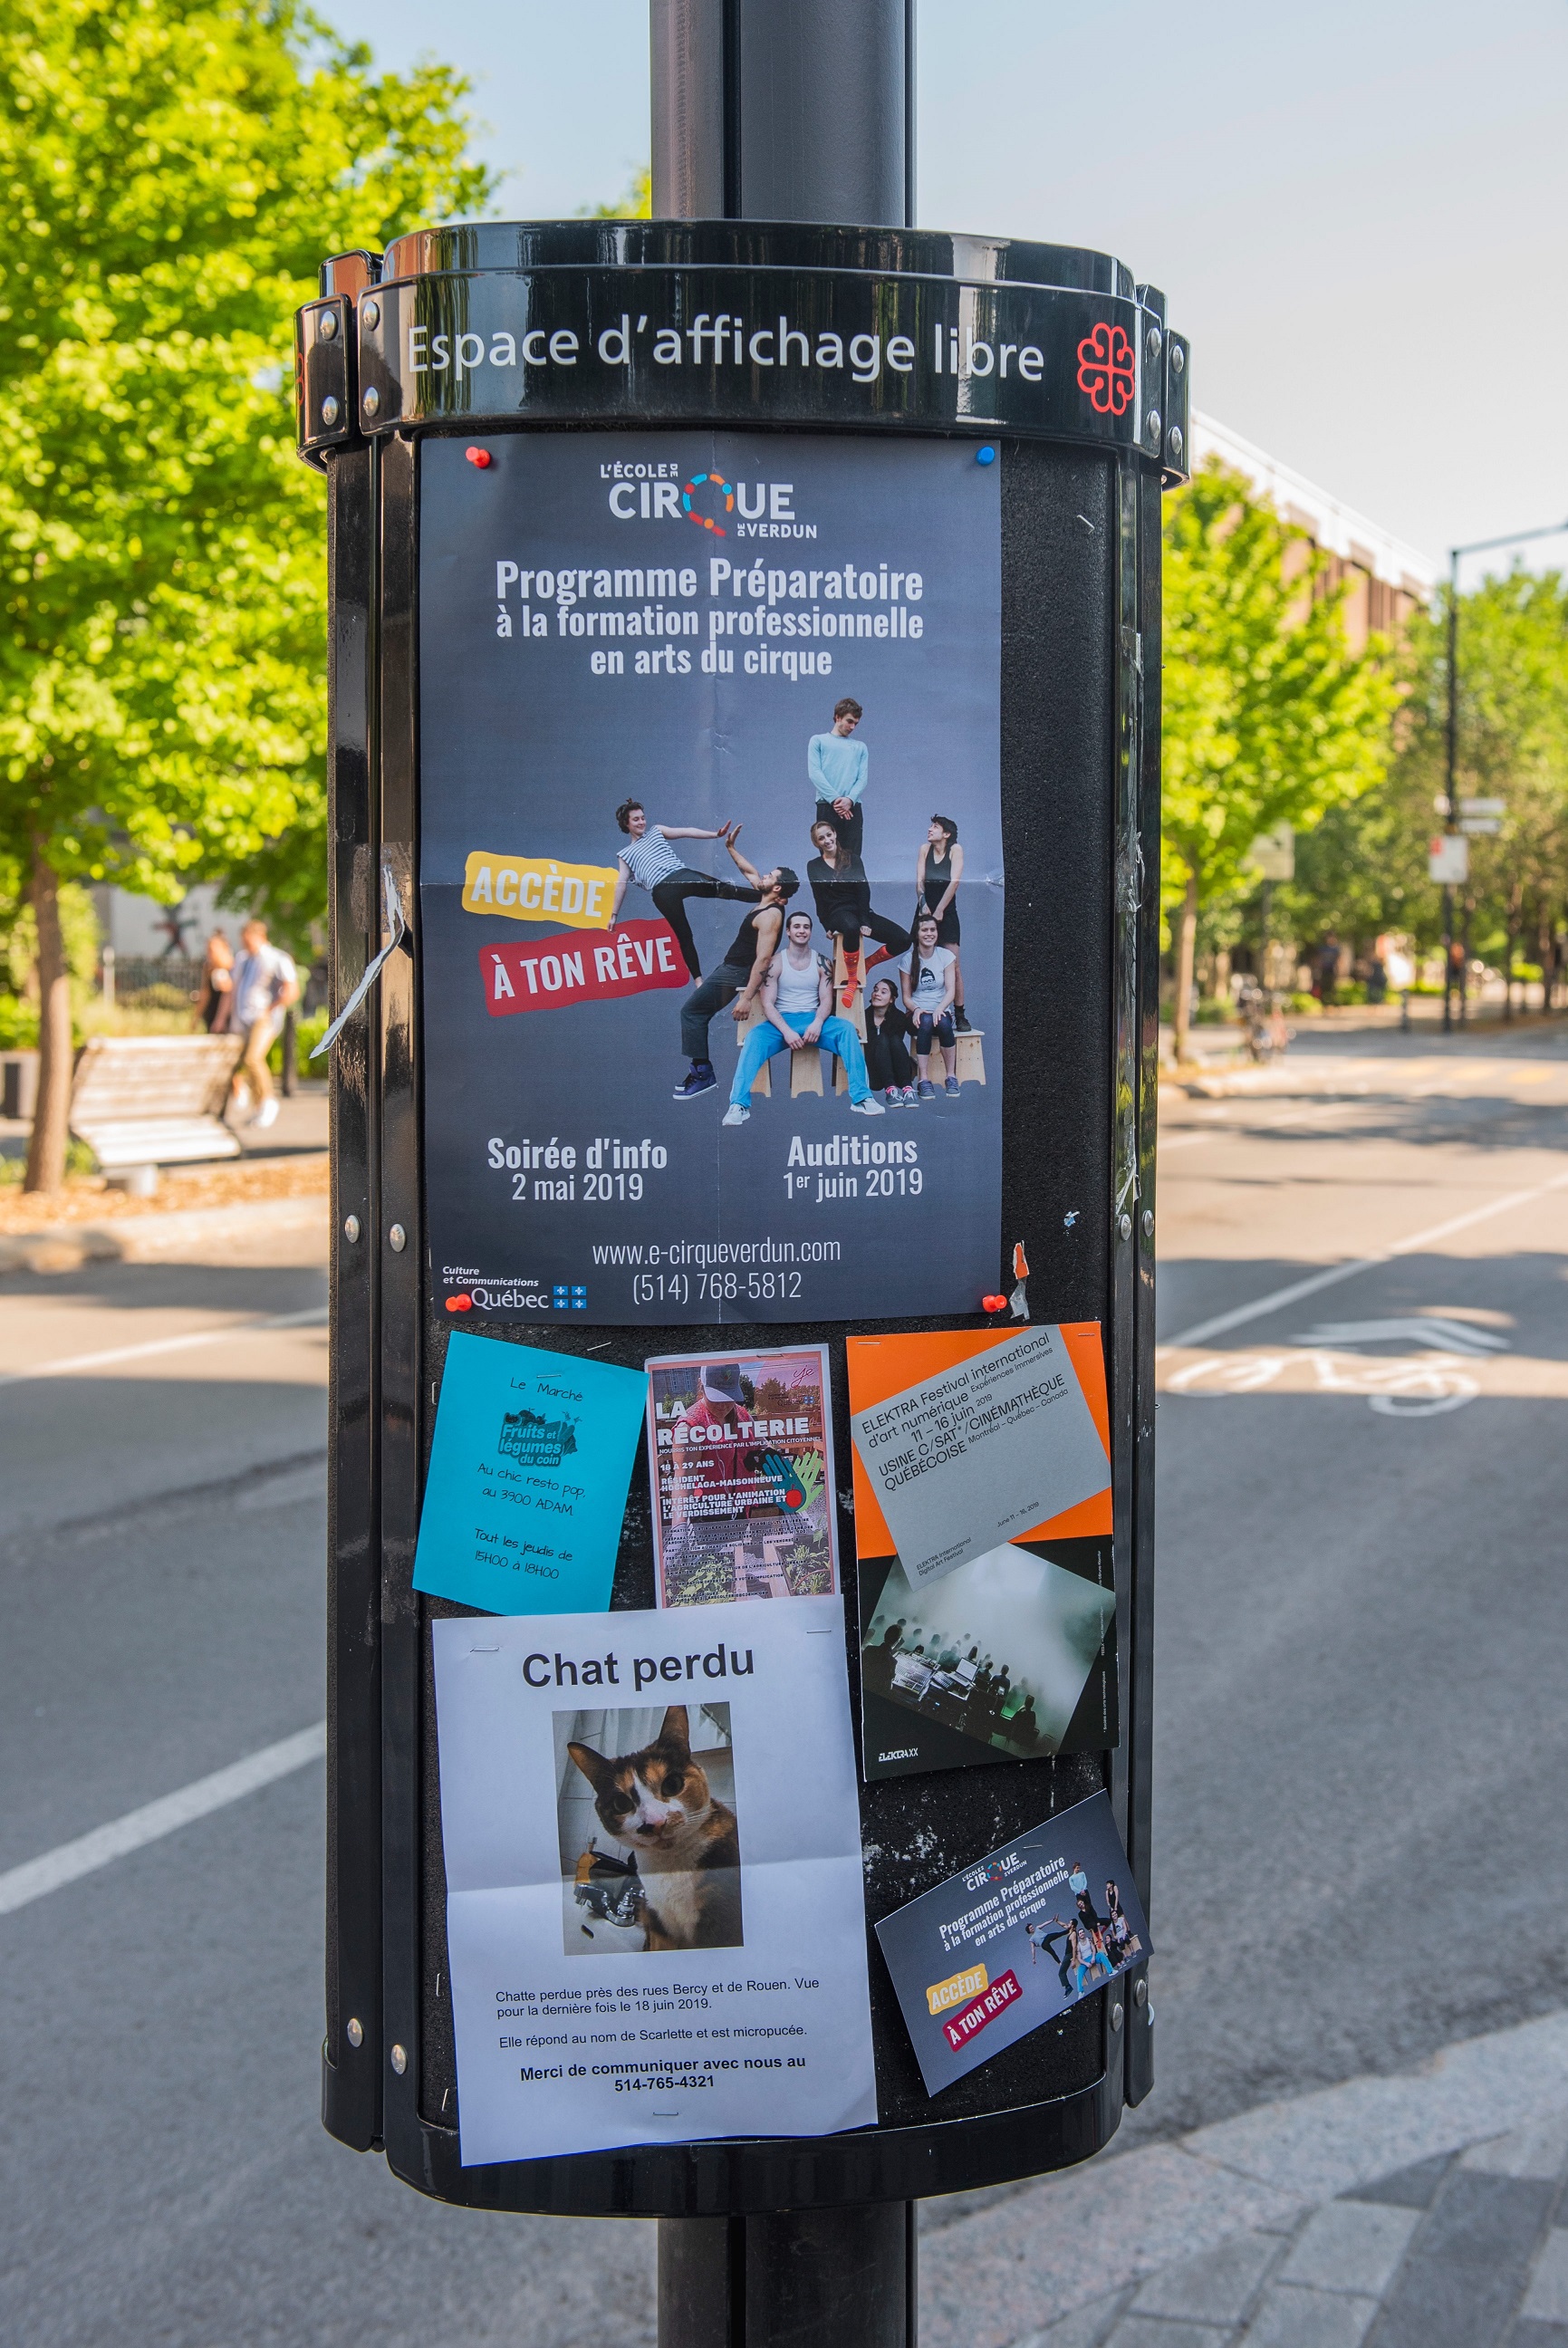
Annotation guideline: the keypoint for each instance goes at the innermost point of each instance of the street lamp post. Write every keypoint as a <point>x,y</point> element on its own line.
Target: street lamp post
<point>1456,553</point>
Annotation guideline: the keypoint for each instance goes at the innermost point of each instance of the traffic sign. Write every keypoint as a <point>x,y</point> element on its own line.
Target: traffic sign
<point>1272,855</point>
<point>1447,860</point>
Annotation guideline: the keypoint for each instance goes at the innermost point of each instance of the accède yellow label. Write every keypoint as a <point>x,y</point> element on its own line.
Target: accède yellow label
<point>957,1989</point>
<point>540,889</point>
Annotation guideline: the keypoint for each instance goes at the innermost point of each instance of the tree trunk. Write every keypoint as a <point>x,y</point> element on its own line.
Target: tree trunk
<point>47,1149</point>
<point>1187,940</point>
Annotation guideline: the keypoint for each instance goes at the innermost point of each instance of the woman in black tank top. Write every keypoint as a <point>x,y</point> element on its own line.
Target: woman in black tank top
<point>939,868</point>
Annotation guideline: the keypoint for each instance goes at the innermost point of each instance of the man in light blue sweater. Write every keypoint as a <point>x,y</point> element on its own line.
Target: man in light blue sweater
<point>837,766</point>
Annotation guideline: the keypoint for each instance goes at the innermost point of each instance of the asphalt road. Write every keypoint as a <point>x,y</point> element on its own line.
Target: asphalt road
<point>1359,1824</point>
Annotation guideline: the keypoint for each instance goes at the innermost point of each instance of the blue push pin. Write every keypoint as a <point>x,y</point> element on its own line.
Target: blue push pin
<point>984,456</point>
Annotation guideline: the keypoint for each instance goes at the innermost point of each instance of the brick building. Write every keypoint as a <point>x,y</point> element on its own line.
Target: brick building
<point>1387,578</point>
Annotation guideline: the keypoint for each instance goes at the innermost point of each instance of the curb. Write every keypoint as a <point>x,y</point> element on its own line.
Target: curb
<point>145,1239</point>
<point>1001,2275</point>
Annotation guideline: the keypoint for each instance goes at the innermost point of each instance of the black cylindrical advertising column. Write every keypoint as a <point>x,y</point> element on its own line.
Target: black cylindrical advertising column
<point>746,656</point>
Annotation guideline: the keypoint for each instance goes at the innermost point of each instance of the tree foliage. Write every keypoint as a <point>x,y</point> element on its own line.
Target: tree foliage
<point>1269,715</point>
<point>175,169</point>
<point>634,202</point>
<point>1366,870</point>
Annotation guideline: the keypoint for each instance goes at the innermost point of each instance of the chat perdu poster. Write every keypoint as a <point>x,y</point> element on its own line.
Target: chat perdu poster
<point>710,946</point>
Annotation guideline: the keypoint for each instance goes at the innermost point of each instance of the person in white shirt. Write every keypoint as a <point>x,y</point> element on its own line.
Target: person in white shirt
<point>927,974</point>
<point>264,984</point>
<point>798,997</point>
<point>649,859</point>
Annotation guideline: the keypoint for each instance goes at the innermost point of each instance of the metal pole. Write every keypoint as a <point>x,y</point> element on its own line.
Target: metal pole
<point>784,110</point>
<point>1449,794</point>
<point>1464,959</point>
<point>798,111</point>
<point>1268,915</point>
<point>798,2278</point>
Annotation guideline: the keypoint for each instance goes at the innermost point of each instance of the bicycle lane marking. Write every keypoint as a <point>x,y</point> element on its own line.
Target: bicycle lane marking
<point>1334,1273</point>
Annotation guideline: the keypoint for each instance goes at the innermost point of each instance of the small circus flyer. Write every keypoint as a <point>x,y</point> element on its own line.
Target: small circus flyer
<point>529,1470</point>
<point>1013,1941</point>
<point>740,1461</point>
<point>652,1938</point>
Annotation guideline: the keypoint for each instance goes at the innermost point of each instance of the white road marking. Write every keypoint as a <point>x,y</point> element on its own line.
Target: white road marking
<point>1204,1330</point>
<point>1441,1335</point>
<point>73,1363</point>
<point>68,1861</point>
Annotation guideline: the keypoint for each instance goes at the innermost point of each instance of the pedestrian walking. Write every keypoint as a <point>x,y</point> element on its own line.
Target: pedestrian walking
<point>215,1000</point>
<point>264,984</point>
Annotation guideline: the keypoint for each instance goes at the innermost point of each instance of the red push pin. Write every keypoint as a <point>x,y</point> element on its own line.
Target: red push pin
<point>993,1303</point>
<point>459,1303</point>
<point>479,456</point>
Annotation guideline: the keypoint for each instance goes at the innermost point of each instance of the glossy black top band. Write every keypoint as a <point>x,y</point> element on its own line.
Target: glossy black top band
<point>735,323</point>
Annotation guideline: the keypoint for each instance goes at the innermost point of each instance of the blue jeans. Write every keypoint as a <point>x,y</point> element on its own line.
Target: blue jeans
<point>838,1036</point>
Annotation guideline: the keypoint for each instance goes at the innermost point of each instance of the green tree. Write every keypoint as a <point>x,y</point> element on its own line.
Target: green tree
<point>1365,867</point>
<point>634,202</point>
<point>174,171</point>
<point>1512,744</point>
<point>1269,717</point>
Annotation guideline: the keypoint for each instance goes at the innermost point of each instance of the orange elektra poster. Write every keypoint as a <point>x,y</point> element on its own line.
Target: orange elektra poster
<point>987,1635</point>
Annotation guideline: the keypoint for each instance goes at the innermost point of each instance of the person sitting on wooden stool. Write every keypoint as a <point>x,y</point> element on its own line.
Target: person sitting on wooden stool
<point>938,869</point>
<point>843,894</point>
<point>926,974</point>
<point>798,1001</point>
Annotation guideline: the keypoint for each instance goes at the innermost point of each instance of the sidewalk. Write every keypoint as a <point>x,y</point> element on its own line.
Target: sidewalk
<point>1383,2213</point>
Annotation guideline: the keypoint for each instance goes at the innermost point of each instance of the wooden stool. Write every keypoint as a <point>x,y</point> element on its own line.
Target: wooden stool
<point>805,1070</point>
<point>969,1059</point>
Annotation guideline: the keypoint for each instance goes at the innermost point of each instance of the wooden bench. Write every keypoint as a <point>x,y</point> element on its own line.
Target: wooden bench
<point>154,1100</point>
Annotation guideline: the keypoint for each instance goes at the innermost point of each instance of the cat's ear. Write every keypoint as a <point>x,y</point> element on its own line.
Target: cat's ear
<point>675,1730</point>
<point>594,1765</point>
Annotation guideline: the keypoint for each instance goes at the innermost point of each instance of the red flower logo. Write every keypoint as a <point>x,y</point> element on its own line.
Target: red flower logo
<point>1106,370</point>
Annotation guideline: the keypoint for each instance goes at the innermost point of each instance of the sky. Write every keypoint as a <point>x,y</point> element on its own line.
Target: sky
<point>1356,211</point>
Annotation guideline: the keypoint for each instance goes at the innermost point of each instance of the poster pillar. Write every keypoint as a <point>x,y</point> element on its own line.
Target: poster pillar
<point>934,468</point>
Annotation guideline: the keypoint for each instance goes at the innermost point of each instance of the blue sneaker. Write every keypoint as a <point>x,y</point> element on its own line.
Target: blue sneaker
<point>700,1080</point>
<point>950,1087</point>
<point>927,1089</point>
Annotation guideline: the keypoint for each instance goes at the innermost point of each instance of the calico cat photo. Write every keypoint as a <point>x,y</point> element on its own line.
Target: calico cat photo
<point>657,1804</point>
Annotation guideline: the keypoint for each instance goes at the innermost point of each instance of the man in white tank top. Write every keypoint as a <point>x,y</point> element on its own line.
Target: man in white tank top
<point>798,998</point>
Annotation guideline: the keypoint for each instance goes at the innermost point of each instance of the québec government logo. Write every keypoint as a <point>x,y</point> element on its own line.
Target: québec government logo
<point>1106,369</point>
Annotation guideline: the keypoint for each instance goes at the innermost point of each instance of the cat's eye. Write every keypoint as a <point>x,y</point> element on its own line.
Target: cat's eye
<point>673,1780</point>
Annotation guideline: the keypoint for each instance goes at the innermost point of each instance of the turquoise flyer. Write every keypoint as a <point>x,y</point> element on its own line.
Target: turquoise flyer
<point>527,1480</point>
